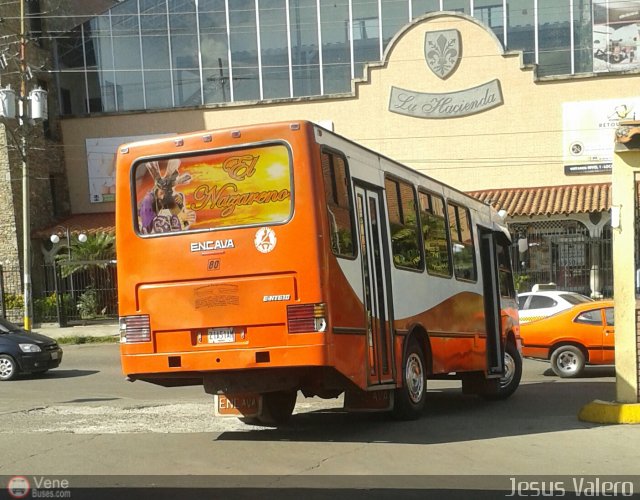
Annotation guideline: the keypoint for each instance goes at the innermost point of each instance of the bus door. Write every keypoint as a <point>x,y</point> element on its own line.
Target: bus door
<point>492,308</point>
<point>376,285</point>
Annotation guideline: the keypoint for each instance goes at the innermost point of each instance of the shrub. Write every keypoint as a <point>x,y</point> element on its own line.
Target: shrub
<point>88,304</point>
<point>13,301</point>
<point>46,308</point>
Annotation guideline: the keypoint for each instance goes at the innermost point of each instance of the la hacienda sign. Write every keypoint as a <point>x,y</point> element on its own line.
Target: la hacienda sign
<point>447,105</point>
<point>443,51</point>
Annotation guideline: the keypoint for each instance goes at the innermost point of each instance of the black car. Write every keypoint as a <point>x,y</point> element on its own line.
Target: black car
<point>25,352</point>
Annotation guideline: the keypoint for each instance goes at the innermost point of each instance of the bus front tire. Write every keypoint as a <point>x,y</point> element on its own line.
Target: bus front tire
<point>510,381</point>
<point>277,407</point>
<point>410,399</point>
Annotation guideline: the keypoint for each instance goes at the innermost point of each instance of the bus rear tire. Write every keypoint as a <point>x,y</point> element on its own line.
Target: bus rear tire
<point>410,399</point>
<point>277,407</point>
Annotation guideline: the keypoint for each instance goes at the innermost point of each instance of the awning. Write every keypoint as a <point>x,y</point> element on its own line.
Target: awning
<point>104,222</point>
<point>549,200</point>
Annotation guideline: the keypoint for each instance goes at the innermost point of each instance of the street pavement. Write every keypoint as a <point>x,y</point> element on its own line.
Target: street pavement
<point>102,329</point>
<point>598,411</point>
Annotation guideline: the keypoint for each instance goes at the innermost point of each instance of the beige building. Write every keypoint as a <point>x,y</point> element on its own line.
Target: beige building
<point>473,115</point>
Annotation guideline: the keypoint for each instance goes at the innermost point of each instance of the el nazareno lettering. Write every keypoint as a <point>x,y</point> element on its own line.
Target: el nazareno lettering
<point>226,197</point>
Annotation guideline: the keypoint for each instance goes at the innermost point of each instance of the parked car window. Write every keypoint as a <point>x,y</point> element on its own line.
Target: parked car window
<point>522,301</point>
<point>593,317</point>
<point>608,312</point>
<point>540,302</point>
<point>575,298</point>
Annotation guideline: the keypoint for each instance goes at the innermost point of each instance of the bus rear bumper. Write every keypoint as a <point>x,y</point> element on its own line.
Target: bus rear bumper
<point>178,364</point>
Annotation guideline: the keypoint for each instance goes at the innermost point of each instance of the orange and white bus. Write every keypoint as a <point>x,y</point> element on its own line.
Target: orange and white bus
<point>264,260</point>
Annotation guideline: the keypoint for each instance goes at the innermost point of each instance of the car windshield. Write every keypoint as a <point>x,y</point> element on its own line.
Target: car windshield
<point>575,298</point>
<point>7,327</point>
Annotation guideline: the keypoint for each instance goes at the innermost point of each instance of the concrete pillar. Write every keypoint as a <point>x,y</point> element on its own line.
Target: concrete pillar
<point>626,173</point>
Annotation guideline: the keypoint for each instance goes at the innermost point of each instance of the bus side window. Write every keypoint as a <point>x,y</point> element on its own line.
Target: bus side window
<point>464,262</point>
<point>434,230</point>
<point>403,223</point>
<point>505,274</point>
<point>336,182</point>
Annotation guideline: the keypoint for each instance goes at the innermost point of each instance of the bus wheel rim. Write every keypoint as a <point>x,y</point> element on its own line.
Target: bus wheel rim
<point>509,370</point>
<point>414,374</point>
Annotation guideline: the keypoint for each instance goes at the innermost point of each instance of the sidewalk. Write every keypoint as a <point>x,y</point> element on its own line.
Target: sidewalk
<point>109,329</point>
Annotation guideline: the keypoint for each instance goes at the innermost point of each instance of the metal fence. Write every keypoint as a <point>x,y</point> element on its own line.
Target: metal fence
<point>71,292</point>
<point>566,256</point>
<point>11,302</point>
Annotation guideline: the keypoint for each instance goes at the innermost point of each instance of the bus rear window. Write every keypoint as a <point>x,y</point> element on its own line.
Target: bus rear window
<point>218,189</point>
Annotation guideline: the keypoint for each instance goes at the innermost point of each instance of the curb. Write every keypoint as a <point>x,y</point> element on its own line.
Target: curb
<point>610,412</point>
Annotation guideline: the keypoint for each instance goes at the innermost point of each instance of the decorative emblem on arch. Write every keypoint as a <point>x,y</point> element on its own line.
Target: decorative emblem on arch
<point>442,51</point>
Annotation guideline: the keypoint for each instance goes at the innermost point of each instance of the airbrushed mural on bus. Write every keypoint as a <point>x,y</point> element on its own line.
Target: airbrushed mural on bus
<point>276,259</point>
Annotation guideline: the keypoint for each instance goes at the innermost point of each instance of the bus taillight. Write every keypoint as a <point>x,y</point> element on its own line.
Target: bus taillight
<point>306,318</point>
<point>135,329</point>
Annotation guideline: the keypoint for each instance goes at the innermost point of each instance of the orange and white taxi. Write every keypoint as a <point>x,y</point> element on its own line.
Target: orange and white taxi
<point>571,339</point>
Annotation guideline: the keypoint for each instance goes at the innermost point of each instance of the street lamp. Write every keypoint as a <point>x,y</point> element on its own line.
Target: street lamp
<point>55,238</point>
<point>31,107</point>
<point>67,232</point>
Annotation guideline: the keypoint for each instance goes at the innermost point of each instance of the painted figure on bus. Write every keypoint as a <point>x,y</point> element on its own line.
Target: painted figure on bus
<point>162,209</point>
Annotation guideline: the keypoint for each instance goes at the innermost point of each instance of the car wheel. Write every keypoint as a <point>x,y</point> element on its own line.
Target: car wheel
<point>277,407</point>
<point>410,399</point>
<point>8,367</point>
<point>567,361</point>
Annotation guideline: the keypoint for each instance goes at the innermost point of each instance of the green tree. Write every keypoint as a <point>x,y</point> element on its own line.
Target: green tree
<point>88,256</point>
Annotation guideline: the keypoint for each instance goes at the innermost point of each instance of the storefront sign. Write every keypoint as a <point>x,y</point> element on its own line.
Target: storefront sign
<point>589,131</point>
<point>595,168</point>
<point>448,105</point>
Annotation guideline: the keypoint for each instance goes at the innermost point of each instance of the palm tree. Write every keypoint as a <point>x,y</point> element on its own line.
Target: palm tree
<point>96,253</point>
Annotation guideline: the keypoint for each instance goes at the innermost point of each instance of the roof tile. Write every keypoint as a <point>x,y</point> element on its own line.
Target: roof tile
<point>548,200</point>
<point>104,222</point>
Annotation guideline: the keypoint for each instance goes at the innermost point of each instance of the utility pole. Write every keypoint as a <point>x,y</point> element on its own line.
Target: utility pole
<point>32,106</point>
<point>26,206</point>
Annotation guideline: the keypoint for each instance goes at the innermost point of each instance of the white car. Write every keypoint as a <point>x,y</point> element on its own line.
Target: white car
<point>540,304</point>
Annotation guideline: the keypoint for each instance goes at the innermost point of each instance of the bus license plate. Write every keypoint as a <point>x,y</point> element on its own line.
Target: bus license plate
<point>221,335</point>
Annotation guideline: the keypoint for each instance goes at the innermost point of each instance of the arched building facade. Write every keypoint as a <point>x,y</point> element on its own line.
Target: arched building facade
<point>515,102</point>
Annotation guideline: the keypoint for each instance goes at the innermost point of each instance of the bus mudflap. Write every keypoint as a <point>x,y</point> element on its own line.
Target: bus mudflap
<point>480,384</point>
<point>245,405</point>
<point>368,401</point>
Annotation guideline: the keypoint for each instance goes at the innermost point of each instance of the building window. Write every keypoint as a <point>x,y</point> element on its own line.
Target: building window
<point>491,15</point>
